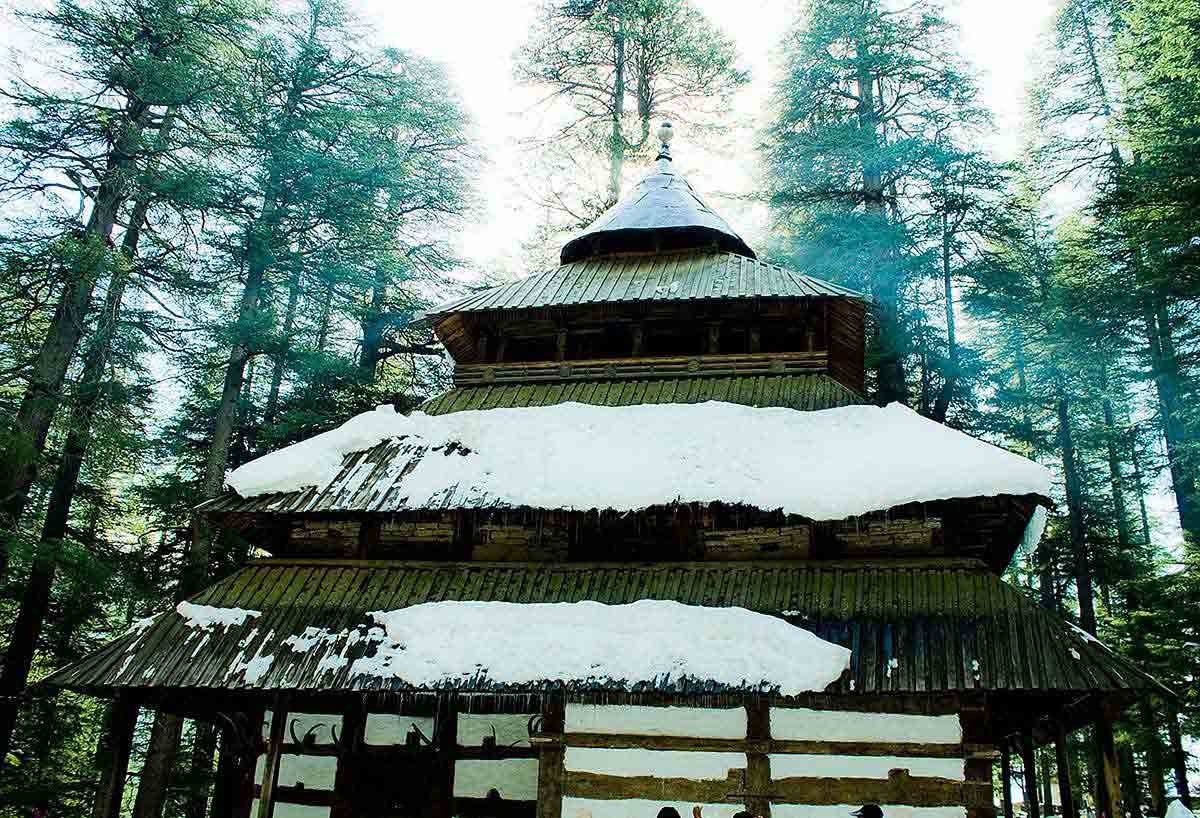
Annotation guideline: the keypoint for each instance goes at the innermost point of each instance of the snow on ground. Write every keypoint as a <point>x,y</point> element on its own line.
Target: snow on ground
<point>825,465</point>
<point>842,810</point>
<point>642,808</point>
<point>205,617</point>
<point>645,641</point>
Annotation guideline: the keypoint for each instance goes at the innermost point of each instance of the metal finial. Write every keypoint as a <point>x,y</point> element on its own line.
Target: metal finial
<point>665,134</point>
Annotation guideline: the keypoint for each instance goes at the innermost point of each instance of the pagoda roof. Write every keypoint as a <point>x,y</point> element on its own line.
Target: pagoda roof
<point>682,276</point>
<point>662,212</point>
<point>912,626</point>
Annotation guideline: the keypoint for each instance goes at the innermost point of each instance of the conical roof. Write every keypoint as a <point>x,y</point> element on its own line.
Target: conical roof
<point>662,213</point>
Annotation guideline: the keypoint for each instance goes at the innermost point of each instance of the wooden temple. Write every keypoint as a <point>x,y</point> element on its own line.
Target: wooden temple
<point>951,670</point>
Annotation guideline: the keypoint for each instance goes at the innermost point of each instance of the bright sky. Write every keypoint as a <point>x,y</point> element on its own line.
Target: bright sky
<point>476,40</point>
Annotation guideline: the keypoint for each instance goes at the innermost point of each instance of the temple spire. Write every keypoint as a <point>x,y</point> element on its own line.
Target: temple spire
<point>665,135</point>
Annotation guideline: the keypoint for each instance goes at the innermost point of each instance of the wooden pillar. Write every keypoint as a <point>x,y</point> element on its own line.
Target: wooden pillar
<point>638,332</point>
<point>266,795</point>
<point>550,758</point>
<point>1178,757</point>
<point>1029,765</point>
<point>758,763</point>
<point>755,339</point>
<point>1066,795</point>
<point>120,744</point>
<point>1006,779</point>
<point>241,741</point>
<point>351,737</point>
<point>445,750</point>
<point>560,346</point>
<point>1110,766</point>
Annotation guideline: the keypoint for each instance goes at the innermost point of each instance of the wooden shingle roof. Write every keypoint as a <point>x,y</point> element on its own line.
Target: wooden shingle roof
<point>684,276</point>
<point>912,627</point>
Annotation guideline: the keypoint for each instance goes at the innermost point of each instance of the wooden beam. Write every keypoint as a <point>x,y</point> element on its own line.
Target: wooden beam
<point>758,764</point>
<point>1029,767</point>
<point>551,773</point>
<point>1110,766</point>
<point>736,745</point>
<point>266,795</point>
<point>898,788</point>
<point>1006,780</point>
<point>1066,795</point>
<point>120,743</point>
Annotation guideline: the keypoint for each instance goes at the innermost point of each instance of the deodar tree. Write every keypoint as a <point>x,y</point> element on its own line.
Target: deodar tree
<point>618,65</point>
<point>867,173</point>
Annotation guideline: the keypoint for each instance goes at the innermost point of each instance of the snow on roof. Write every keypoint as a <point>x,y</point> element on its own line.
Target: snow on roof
<point>645,641</point>
<point>825,465</point>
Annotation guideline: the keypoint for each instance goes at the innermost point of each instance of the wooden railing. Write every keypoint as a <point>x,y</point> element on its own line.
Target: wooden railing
<point>694,366</point>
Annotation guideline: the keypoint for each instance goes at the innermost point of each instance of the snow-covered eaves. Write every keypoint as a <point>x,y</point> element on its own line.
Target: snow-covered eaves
<point>823,465</point>
<point>939,625</point>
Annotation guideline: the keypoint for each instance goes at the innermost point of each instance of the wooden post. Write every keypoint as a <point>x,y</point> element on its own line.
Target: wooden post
<point>353,733</point>
<point>638,333</point>
<point>1006,780</point>
<point>1029,765</point>
<point>1066,795</point>
<point>560,347</point>
<point>550,758</point>
<point>445,749</point>
<point>266,795</point>
<point>120,738</point>
<point>1110,766</point>
<point>1178,757</point>
<point>758,764</point>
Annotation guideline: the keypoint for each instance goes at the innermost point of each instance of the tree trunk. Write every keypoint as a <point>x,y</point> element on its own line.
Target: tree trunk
<point>950,379</point>
<point>1114,463</point>
<point>1079,551</point>
<point>892,380</point>
<point>1165,368</point>
<point>279,364</point>
<point>1178,759</point>
<point>35,602</point>
<point>616,138</point>
<point>372,334</point>
<point>203,754</point>
<point>1154,758</point>
<point>156,771</point>
<point>27,438</point>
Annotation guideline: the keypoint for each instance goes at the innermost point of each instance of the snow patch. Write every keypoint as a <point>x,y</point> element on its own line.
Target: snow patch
<point>804,724</point>
<point>579,456</point>
<point>646,641</point>
<point>205,617</point>
<point>697,766</point>
<point>1176,809</point>
<point>693,722</point>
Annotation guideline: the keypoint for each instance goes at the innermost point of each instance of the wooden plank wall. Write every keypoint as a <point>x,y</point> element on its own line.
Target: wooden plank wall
<point>628,762</point>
